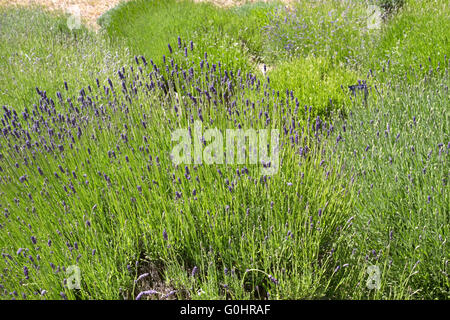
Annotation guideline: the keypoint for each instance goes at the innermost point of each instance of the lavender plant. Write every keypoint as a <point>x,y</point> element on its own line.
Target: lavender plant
<point>396,151</point>
<point>334,30</point>
<point>87,180</point>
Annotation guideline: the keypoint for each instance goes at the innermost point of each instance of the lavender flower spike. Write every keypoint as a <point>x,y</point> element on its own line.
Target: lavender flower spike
<point>272,278</point>
<point>194,271</point>
<point>145,293</point>
<point>141,277</point>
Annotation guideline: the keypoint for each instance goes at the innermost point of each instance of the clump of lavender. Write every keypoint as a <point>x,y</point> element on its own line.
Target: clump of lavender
<point>400,177</point>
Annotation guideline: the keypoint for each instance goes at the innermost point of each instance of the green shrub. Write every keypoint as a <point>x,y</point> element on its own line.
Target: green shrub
<point>396,149</point>
<point>147,27</point>
<point>315,81</point>
<point>417,35</point>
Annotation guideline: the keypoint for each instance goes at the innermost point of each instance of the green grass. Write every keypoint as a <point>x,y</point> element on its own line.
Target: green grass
<point>112,202</point>
<point>333,29</point>
<point>38,49</point>
<point>229,36</point>
<point>315,81</point>
<point>419,31</point>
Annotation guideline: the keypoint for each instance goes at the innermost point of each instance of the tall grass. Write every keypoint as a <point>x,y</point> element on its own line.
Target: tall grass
<point>37,48</point>
<point>415,36</point>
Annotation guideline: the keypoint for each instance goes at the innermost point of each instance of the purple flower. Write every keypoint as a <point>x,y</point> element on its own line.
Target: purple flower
<point>170,48</point>
<point>25,272</point>
<point>145,293</point>
<point>142,276</point>
<point>194,271</point>
<point>272,278</point>
<point>165,236</point>
<point>171,293</point>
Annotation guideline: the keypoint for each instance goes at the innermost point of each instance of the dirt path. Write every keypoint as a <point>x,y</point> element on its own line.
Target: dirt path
<point>90,10</point>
